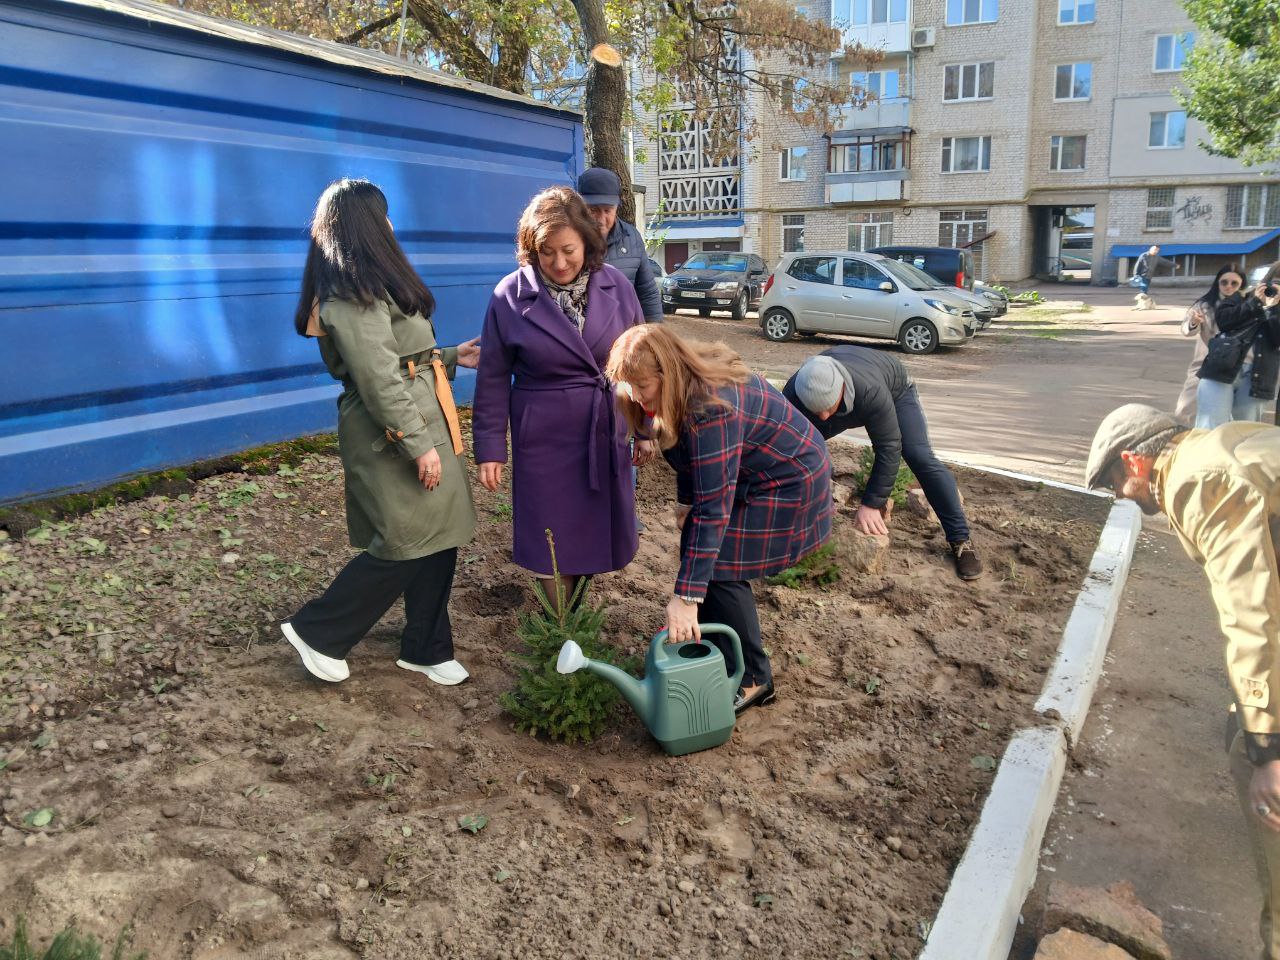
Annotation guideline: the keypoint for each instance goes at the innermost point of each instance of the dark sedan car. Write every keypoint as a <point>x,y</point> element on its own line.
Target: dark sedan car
<point>715,281</point>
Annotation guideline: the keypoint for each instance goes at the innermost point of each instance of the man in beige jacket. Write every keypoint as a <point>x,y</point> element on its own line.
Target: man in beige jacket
<point>1220,490</point>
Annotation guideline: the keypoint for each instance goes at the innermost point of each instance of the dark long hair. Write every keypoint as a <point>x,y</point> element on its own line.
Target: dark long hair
<point>1211,298</point>
<point>354,255</point>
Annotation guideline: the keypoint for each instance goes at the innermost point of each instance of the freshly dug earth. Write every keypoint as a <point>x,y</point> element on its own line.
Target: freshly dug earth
<point>205,789</point>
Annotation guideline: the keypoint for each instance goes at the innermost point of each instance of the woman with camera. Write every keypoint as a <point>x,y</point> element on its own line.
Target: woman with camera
<point>1199,322</point>
<point>1242,361</point>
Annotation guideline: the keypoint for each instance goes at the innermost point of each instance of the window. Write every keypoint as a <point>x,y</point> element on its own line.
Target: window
<point>1160,208</point>
<point>861,275</point>
<point>791,163</point>
<point>1255,205</point>
<point>966,154</point>
<point>869,229</point>
<point>960,228</point>
<point>793,233</point>
<point>1073,81</point>
<point>867,153</point>
<point>1075,11</point>
<point>814,269</point>
<point>969,81</point>
<point>882,84</point>
<point>865,13</point>
<point>1168,130</point>
<point>1172,50</point>
<point>960,12</point>
<point>1066,153</point>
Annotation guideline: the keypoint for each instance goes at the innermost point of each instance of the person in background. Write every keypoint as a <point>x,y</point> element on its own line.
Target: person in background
<point>753,483</point>
<point>601,190</point>
<point>1148,263</point>
<point>1199,322</point>
<point>546,336</point>
<point>408,497</point>
<point>849,387</point>
<point>1241,367</point>
<point>1220,490</point>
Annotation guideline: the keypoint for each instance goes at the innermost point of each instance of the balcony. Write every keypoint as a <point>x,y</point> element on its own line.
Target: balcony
<point>868,165</point>
<point>891,112</point>
<point>877,24</point>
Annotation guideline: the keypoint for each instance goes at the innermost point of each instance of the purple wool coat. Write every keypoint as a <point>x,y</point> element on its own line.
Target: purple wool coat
<point>571,467</point>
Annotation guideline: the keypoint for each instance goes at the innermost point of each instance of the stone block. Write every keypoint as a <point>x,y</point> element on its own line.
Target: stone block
<point>1114,915</point>
<point>861,552</point>
<point>1069,945</point>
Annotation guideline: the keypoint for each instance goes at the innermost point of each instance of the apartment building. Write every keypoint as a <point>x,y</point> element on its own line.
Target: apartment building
<point>1041,134</point>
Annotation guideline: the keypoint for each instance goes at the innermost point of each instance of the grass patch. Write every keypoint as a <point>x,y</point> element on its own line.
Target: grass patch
<point>70,944</point>
<point>817,569</point>
<point>862,474</point>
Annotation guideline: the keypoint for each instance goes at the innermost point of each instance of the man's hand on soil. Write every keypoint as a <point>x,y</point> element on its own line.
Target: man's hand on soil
<point>871,520</point>
<point>1264,791</point>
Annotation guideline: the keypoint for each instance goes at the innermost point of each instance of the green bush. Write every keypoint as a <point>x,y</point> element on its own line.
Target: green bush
<point>862,474</point>
<point>569,707</point>
<point>70,944</point>
<point>818,568</point>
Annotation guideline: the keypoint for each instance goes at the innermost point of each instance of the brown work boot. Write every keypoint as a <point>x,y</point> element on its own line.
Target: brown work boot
<point>968,566</point>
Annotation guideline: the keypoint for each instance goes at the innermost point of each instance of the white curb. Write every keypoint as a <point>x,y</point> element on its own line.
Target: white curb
<point>1068,691</point>
<point>980,911</point>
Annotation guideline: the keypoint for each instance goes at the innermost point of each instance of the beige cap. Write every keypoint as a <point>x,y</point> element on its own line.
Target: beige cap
<point>1124,428</point>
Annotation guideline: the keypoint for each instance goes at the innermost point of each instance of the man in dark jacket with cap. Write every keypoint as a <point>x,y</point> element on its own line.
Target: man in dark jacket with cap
<point>602,190</point>
<point>847,387</point>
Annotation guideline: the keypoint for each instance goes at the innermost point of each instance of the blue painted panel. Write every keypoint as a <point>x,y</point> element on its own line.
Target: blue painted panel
<point>150,260</point>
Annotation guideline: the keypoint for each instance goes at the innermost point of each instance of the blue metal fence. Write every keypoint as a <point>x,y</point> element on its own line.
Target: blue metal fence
<point>158,173</point>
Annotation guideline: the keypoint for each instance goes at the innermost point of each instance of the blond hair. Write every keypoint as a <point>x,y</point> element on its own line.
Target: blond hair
<point>690,373</point>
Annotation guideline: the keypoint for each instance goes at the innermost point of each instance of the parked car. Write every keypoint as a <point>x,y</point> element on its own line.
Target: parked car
<point>950,265</point>
<point>864,295</point>
<point>715,281</point>
<point>999,300</point>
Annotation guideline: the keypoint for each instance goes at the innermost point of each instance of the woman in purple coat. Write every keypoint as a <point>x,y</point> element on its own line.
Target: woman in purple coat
<point>546,336</point>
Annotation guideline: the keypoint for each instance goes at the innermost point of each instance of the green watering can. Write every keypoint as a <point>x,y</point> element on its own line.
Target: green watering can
<point>685,698</point>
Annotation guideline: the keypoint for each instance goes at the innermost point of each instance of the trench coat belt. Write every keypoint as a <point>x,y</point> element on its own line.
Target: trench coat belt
<point>604,399</point>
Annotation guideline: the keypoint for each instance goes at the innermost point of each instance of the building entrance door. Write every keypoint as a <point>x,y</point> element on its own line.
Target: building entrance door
<point>1064,243</point>
<point>674,254</point>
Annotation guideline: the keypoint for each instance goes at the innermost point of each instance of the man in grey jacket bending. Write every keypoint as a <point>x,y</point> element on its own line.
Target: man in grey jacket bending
<point>602,190</point>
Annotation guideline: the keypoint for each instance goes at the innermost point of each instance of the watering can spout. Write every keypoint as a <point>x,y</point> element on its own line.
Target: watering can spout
<point>635,692</point>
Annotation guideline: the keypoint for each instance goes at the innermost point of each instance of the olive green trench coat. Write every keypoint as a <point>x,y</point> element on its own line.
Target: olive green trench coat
<point>386,420</point>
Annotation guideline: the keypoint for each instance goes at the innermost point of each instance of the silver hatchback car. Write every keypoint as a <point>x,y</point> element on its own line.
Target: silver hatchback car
<point>863,295</point>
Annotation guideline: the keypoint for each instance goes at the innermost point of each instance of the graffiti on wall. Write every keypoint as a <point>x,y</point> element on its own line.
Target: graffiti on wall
<point>1194,209</point>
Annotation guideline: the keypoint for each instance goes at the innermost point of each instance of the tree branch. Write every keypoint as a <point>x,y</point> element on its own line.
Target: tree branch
<point>374,27</point>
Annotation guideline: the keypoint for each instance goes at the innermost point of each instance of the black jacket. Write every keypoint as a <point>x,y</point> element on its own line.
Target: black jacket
<point>1247,317</point>
<point>627,253</point>
<point>878,380</point>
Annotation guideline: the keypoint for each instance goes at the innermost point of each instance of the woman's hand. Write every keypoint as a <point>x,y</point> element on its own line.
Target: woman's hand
<point>645,451</point>
<point>871,520</point>
<point>490,475</point>
<point>429,469</point>
<point>682,621</point>
<point>469,353</point>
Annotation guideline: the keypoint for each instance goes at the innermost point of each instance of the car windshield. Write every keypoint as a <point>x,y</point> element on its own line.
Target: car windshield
<point>910,276</point>
<point>712,262</point>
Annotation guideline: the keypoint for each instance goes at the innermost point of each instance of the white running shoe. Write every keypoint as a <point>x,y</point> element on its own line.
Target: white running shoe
<point>317,664</point>
<point>447,674</point>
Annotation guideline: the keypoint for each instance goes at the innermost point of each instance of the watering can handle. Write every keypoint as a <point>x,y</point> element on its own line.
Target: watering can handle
<point>706,628</point>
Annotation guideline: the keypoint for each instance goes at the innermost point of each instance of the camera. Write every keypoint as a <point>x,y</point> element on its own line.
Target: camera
<point>1270,290</point>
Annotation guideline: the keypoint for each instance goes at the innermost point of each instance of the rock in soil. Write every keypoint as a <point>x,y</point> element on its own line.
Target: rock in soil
<point>1114,915</point>
<point>861,552</point>
<point>1069,945</point>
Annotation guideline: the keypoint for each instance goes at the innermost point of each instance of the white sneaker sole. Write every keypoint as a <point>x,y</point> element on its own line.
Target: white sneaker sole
<point>445,677</point>
<point>332,671</point>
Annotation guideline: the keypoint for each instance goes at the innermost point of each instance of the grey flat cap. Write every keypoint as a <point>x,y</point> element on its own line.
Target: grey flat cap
<point>818,383</point>
<point>1124,428</point>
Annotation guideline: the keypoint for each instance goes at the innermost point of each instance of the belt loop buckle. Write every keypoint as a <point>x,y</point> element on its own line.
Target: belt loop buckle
<point>413,370</point>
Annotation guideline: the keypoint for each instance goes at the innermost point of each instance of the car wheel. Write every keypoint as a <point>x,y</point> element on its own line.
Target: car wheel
<point>704,311</point>
<point>918,336</point>
<point>778,326</point>
<point>739,309</point>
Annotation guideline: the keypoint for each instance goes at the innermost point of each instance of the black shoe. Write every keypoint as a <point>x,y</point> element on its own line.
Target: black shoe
<point>763,695</point>
<point>968,566</point>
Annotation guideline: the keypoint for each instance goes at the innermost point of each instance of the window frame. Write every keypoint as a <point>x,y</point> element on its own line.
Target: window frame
<point>1166,145</point>
<point>982,5</point>
<point>900,148</point>
<point>1072,85</point>
<point>1178,41</point>
<point>787,164</point>
<point>880,219</point>
<point>1160,209</point>
<point>1265,202</point>
<point>870,6</point>
<point>1076,7</point>
<point>787,228</point>
<point>1057,151</point>
<point>835,266</point>
<point>977,66</point>
<point>949,152</point>
<point>880,75</point>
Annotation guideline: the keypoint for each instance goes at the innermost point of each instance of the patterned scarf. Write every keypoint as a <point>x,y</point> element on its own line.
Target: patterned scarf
<point>572,297</point>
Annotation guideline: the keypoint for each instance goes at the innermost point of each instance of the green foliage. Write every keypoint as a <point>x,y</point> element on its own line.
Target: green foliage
<point>569,707</point>
<point>862,474</point>
<point>1233,77</point>
<point>817,569</point>
<point>1027,296</point>
<point>70,944</point>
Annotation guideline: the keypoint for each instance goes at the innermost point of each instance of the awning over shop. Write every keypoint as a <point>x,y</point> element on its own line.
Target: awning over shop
<point>1131,250</point>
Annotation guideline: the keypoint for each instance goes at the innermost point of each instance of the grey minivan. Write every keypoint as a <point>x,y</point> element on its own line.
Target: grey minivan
<point>863,295</point>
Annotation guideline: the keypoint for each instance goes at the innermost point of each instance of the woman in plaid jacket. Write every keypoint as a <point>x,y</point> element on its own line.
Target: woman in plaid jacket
<point>753,482</point>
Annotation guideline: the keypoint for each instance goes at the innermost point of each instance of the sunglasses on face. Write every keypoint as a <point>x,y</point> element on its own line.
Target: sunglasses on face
<point>1226,282</point>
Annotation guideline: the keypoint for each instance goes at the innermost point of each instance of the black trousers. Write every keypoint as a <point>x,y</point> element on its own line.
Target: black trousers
<point>366,588</point>
<point>731,602</point>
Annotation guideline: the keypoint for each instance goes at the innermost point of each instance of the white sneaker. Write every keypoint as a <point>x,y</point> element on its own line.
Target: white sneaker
<point>447,674</point>
<point>317,664</point>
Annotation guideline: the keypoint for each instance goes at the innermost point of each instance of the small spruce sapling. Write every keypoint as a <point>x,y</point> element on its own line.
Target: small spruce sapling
<point>571,707</point>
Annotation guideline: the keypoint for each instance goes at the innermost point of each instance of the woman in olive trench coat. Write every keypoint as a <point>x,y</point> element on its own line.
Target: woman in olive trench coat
<point>408,499</point>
